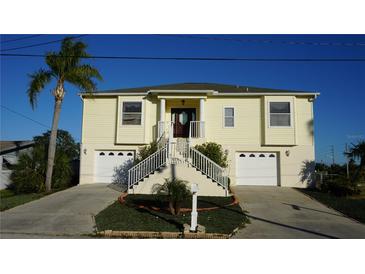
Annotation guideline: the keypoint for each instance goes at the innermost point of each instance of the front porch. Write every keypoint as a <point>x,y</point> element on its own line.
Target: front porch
<point>181,117</point>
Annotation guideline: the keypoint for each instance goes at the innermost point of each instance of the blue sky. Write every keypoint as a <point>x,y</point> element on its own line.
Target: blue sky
<point>339,111</point>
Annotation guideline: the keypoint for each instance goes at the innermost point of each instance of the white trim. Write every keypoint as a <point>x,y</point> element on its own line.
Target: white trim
<point>179,91</point>
<point>121,113</point>
<point>234,116</point>
<point>314,94</point>
<point>291,113</point>
<point>210,92</point>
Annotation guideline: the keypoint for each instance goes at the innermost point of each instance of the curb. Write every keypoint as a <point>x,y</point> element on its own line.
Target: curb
<point>159,235</point>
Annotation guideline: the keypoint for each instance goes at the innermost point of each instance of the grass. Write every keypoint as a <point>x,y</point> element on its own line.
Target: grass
<point>9,199</point>
<point>128,217</point>
<point>352,206</point>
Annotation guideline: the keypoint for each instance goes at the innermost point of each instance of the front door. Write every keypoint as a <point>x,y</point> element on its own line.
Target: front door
<point>181,118</point>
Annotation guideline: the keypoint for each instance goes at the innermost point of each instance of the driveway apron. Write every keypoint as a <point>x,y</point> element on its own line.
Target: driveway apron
<point>284,213</point>
<point>69,212</point>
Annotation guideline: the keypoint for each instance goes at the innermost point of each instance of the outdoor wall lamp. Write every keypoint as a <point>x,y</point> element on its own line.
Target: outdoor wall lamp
<point>287,153</point>
<point>85,150</point>
<point>183,102</point>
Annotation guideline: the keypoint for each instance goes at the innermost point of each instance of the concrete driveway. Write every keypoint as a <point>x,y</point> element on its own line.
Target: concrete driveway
<point>283,213</point>
<point>68,213</point>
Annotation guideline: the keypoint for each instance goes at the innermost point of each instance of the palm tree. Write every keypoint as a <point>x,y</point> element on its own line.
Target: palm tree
<point>63,66</point>
<point>176,190</point>
<point>357,152</point>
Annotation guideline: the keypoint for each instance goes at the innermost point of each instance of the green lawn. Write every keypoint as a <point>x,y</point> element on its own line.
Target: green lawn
<point>9,200</point>
<point>352,206</point>
<point>128,217</point>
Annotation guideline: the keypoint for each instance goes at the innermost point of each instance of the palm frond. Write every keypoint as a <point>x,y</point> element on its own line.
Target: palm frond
<point>81,76</point>
<point>37,83</point>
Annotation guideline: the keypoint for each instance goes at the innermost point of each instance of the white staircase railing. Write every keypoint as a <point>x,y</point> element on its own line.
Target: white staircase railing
<point>175,152</point>
<point>147,166</point>
<point>208,167</point>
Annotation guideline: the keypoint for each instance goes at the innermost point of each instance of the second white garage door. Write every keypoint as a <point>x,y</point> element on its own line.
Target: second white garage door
<point>256,169</point>
<point>106,161</point>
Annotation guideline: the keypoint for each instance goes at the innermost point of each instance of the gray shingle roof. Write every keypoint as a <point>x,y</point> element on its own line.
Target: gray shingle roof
<point>221,88</point>
<point>6,146</point>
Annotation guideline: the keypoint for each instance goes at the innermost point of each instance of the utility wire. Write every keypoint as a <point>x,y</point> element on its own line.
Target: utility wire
<point>265,41</point>
<point>26,117</point>
<point>200,58</point>
<point>21,38</point>
<point>41,44</point>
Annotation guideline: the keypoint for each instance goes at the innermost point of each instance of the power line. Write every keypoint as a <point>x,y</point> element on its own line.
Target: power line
<point>201,58</point>
<point>41,44</point>
<point>26,117</point>
<point>21,38</point>
<point>266,41</point>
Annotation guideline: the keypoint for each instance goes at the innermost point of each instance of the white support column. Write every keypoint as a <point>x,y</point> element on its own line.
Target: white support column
<point>202,119</point>
<point>161,122</point>
<point>162,109</point>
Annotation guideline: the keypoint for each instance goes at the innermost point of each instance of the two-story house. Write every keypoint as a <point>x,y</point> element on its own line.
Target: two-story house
<point>267,134</point>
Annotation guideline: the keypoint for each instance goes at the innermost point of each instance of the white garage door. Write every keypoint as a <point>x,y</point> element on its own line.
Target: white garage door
<point>256,169</point>
<point>106,161</point>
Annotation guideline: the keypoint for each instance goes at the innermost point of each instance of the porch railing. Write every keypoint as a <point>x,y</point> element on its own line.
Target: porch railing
<point>197,129</point>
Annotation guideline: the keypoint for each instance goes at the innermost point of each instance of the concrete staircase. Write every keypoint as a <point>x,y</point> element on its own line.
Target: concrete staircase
<point>187,164</point>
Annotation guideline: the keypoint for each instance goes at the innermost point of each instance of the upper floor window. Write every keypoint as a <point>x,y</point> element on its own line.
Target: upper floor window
<point>228,117</point>
<point>280,114</point>
<point>132,113</point>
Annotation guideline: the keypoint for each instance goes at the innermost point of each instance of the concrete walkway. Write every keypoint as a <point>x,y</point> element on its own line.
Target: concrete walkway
<point>68,213</point>
<point>284,213</point>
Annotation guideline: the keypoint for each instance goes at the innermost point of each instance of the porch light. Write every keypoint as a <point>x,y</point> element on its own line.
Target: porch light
<point>287,153</point>
<point>183,102</point>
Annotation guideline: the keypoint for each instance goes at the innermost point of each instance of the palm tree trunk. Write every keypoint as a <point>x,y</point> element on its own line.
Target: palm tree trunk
<point>52,144</point>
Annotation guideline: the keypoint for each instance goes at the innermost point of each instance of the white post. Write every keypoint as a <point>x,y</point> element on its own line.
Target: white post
<point>162,116</point>
<point>171,133</point>
<point>194,211</point>
<point>202,118</point>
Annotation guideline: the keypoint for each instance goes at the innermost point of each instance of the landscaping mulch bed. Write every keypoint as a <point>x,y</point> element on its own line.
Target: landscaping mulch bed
<point>130,216</point>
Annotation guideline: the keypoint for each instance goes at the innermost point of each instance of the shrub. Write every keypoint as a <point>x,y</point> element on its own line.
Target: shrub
<point>340,186</point>
<point>29,173</point>
<point>145,151</point>
<point>176,190</point>
<point>120,175</point>
<point>214,152</point>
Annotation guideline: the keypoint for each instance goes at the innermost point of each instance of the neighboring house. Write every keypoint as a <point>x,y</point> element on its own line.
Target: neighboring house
<point>9,153</point>
<point>267,133</point>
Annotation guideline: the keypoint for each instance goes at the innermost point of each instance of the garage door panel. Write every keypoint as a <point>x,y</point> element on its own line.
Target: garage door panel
<point>256,168</point>
<point>106,161</point>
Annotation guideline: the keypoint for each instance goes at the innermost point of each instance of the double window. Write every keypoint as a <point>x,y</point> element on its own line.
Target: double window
<point>280,114</point>
<point>132,113</point>
<point>228,117</point>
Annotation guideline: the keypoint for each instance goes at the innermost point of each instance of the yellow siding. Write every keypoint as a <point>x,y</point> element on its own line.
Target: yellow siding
<point>131,134</point>
<point>304,126</point>
<point>99,120</point>
<point>247,120</point>
<point>102,129</point>
<point>152,114</point>
<point>279,135</point>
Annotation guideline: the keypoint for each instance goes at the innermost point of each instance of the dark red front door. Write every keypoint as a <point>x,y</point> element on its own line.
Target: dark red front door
<point>181,118</point>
